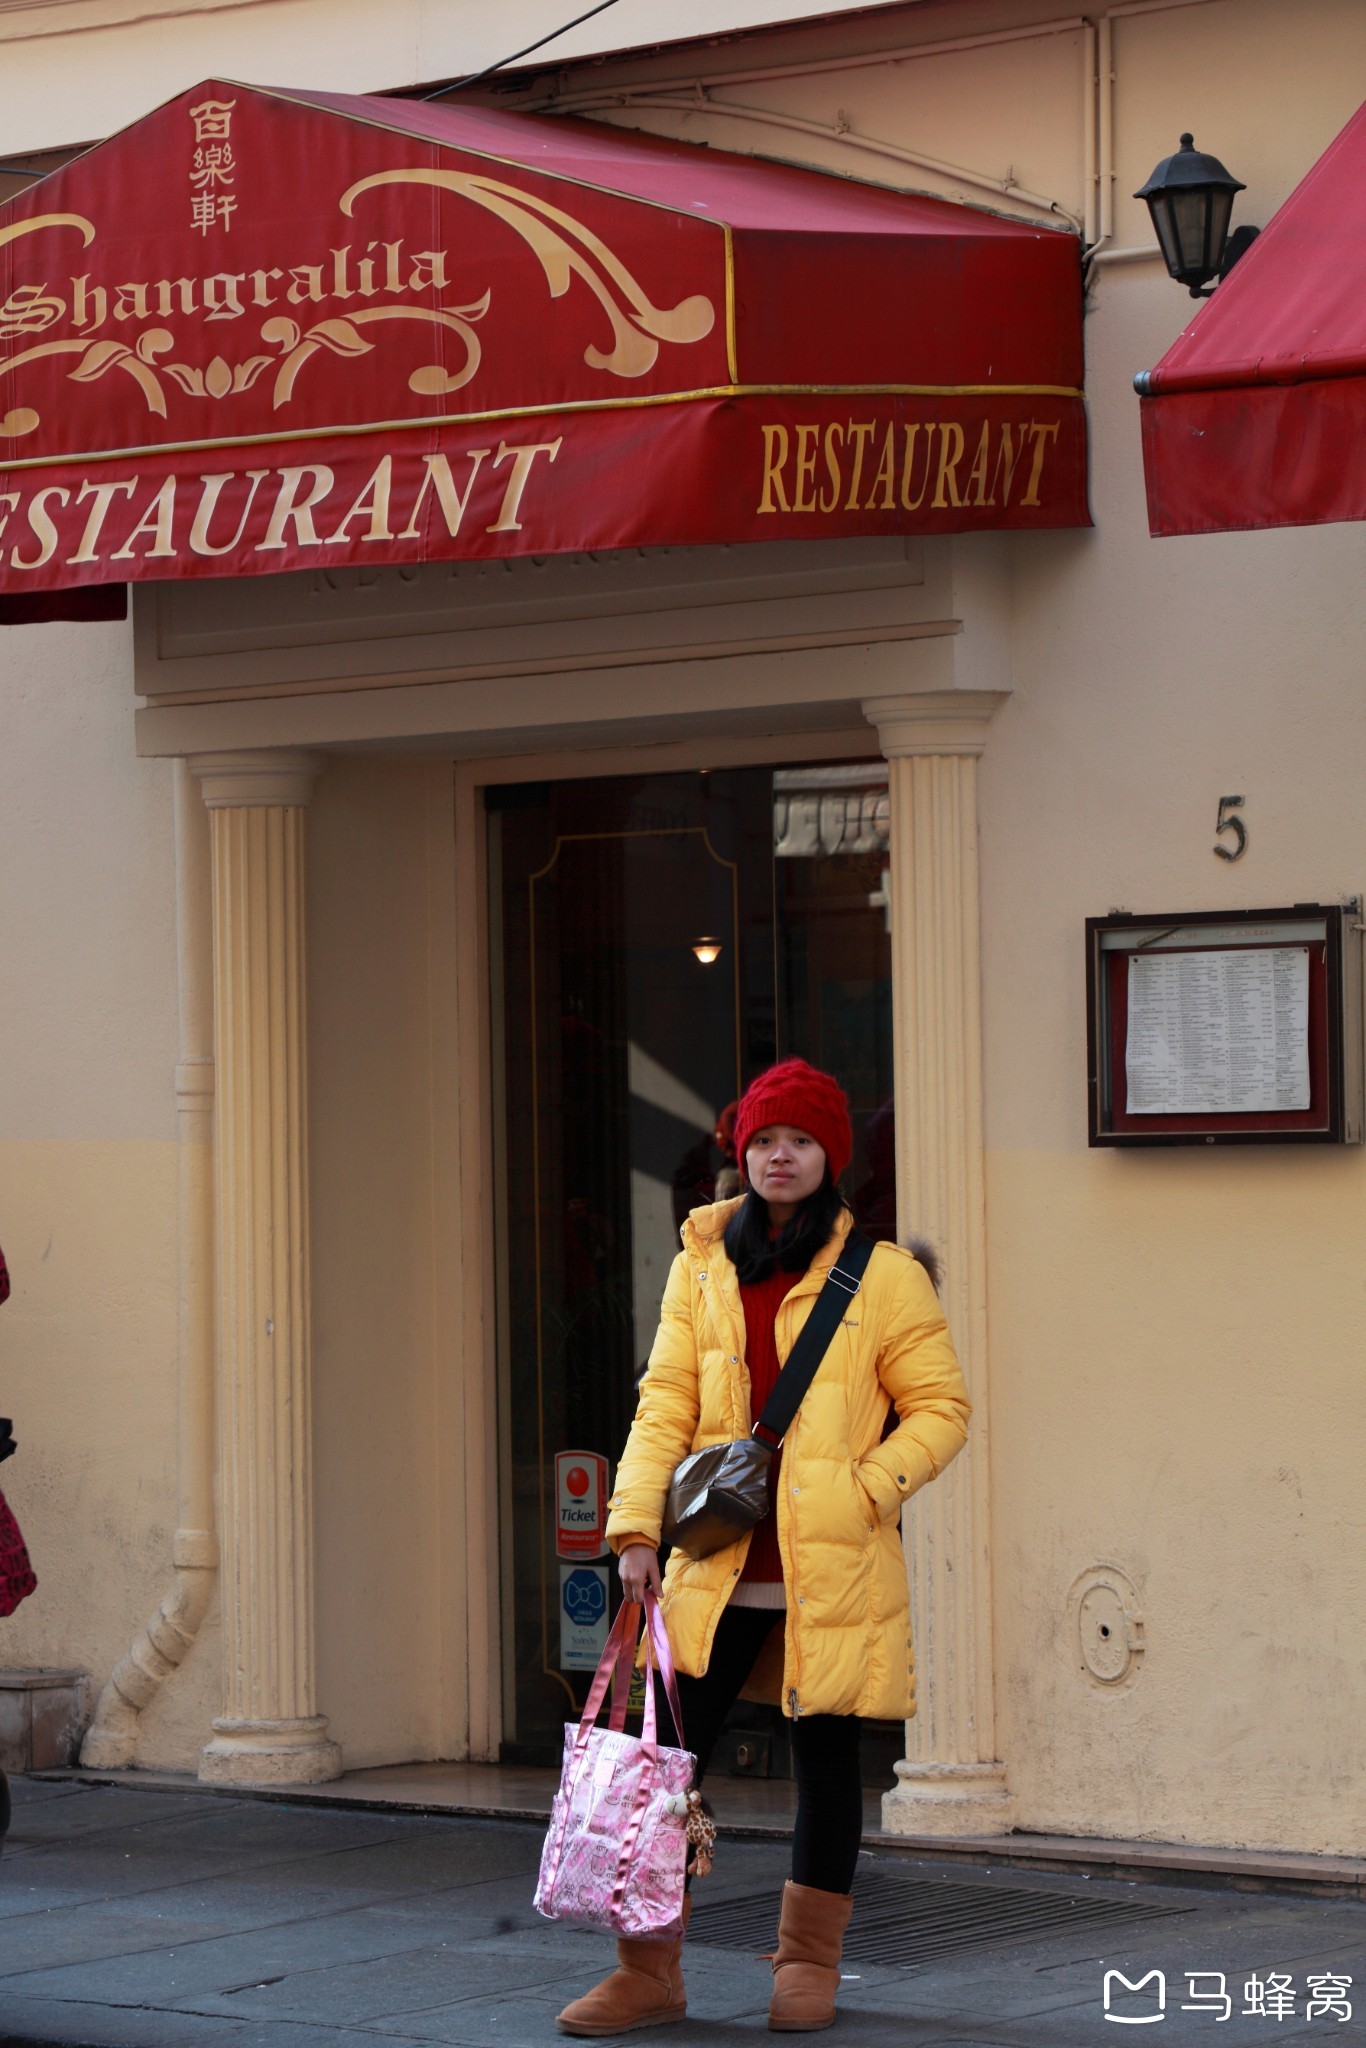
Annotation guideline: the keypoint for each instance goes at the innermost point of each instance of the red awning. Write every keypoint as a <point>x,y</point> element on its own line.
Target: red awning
<point>1256,416</point>
<point>262,331</point>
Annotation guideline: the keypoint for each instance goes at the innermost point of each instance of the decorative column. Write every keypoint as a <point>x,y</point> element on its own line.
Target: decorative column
<point>951,1781</point>
<point>270,1731</point>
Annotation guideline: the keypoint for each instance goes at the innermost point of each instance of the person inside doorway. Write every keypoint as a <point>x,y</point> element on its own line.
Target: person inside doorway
<point>810,1606</point>
<point>874,1201</point>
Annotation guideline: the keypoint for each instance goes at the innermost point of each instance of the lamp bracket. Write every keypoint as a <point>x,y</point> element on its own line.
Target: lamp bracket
<point>1238,244</point>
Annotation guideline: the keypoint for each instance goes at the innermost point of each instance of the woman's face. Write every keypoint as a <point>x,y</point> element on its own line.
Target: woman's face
<point>784,1165</point>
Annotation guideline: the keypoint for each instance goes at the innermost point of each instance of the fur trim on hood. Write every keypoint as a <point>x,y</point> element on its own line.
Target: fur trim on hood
<point>710,1222</point>
<point>921,1248</point>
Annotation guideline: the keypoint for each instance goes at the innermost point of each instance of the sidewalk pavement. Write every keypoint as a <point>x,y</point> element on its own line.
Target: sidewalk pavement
<point>157,1919</point>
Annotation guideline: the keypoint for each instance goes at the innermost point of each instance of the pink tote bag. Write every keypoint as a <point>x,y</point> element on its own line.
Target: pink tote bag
<point>616,1848</point>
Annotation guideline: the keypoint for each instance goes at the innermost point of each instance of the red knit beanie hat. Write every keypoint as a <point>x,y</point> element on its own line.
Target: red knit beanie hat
<point>801,1095</point>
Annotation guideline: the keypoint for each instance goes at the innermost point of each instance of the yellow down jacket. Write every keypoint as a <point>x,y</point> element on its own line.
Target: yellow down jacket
<point>847,1638</point>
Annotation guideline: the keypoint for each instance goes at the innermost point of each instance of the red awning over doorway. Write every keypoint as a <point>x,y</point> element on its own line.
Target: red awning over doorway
<point>1256,416</point>
<point>261,331</point>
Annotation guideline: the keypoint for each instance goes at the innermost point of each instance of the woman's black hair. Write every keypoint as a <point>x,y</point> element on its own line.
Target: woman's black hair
<point>755,1255</point>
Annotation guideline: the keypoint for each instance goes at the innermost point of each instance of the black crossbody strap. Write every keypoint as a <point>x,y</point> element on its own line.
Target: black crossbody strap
<point>842,1283</point>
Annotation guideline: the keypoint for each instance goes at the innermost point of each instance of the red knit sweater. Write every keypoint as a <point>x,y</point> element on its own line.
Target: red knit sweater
<point>762,1302</point>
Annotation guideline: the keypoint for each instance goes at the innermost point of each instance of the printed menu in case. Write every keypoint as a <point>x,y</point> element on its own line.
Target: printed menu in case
<point>1224,1031</point>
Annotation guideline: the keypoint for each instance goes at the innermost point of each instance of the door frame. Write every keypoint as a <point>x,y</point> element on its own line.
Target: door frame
<point>473,1659</point>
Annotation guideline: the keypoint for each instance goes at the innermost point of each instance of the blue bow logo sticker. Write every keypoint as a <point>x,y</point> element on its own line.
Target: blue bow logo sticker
<point>585,1597</point>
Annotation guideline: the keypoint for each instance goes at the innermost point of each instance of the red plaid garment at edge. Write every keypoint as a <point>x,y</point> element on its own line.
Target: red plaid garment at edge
<point>17,1578</point>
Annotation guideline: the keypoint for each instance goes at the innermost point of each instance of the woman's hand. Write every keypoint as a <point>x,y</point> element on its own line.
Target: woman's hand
<point>638,1566</point>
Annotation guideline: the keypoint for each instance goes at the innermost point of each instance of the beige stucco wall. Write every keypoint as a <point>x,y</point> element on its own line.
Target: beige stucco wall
<point>1176,1338</point>
<point>381,853</point>
<point>88,1189</point>
<point>1173,1338</point>
<point>88,1161</point>
<point>117,58</point>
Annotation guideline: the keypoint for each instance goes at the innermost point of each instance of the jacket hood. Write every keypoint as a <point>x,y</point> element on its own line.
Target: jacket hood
<point>707,1225</point>
<point>704,1228</point>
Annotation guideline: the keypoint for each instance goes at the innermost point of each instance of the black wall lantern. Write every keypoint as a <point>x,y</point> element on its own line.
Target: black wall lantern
<point>1190,197</point>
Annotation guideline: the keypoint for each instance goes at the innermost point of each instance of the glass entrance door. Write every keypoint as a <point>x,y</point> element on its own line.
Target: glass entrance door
<point>657,941</point>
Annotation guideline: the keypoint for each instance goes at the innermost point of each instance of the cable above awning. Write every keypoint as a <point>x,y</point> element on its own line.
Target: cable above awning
<point>261,331</point>
<point>1256,415</point>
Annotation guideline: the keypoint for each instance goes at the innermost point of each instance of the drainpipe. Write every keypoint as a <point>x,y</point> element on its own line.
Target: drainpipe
<point>161,1647</point>
<point>1089,74</point>
<point>1101,135</point>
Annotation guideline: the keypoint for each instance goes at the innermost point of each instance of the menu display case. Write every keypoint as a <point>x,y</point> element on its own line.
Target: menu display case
<point>1226,1027</point>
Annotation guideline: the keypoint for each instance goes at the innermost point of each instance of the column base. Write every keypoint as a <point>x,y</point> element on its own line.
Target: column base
<point>948,1800</point>
<point>270,1753</point>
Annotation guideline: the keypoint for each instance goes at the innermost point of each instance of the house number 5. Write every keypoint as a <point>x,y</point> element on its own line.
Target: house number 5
<point>1228,822</point>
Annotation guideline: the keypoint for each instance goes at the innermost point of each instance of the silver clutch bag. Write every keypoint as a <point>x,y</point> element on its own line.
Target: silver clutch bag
<point>716,1494</point>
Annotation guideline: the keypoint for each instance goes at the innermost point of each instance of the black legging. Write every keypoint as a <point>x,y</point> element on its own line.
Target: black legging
<point>825,1751</point>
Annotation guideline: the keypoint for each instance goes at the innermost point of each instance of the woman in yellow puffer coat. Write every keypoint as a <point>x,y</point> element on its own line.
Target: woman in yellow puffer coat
<point>811,1605</point>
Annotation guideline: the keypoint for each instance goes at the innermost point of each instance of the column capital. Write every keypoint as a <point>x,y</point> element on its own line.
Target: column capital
<point>268,776</point>
<point>933,721</point>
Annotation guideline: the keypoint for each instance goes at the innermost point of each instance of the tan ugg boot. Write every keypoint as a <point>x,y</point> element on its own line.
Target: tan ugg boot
<point>644,1990</point>
<point>806,1968</point>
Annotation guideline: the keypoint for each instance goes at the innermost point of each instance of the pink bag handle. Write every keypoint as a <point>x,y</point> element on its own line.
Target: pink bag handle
<point>655,1619</point>
<point>657,1648</point>
<point>622,1674</point>
<point>614,1666</point>
<point>656,1643</point>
